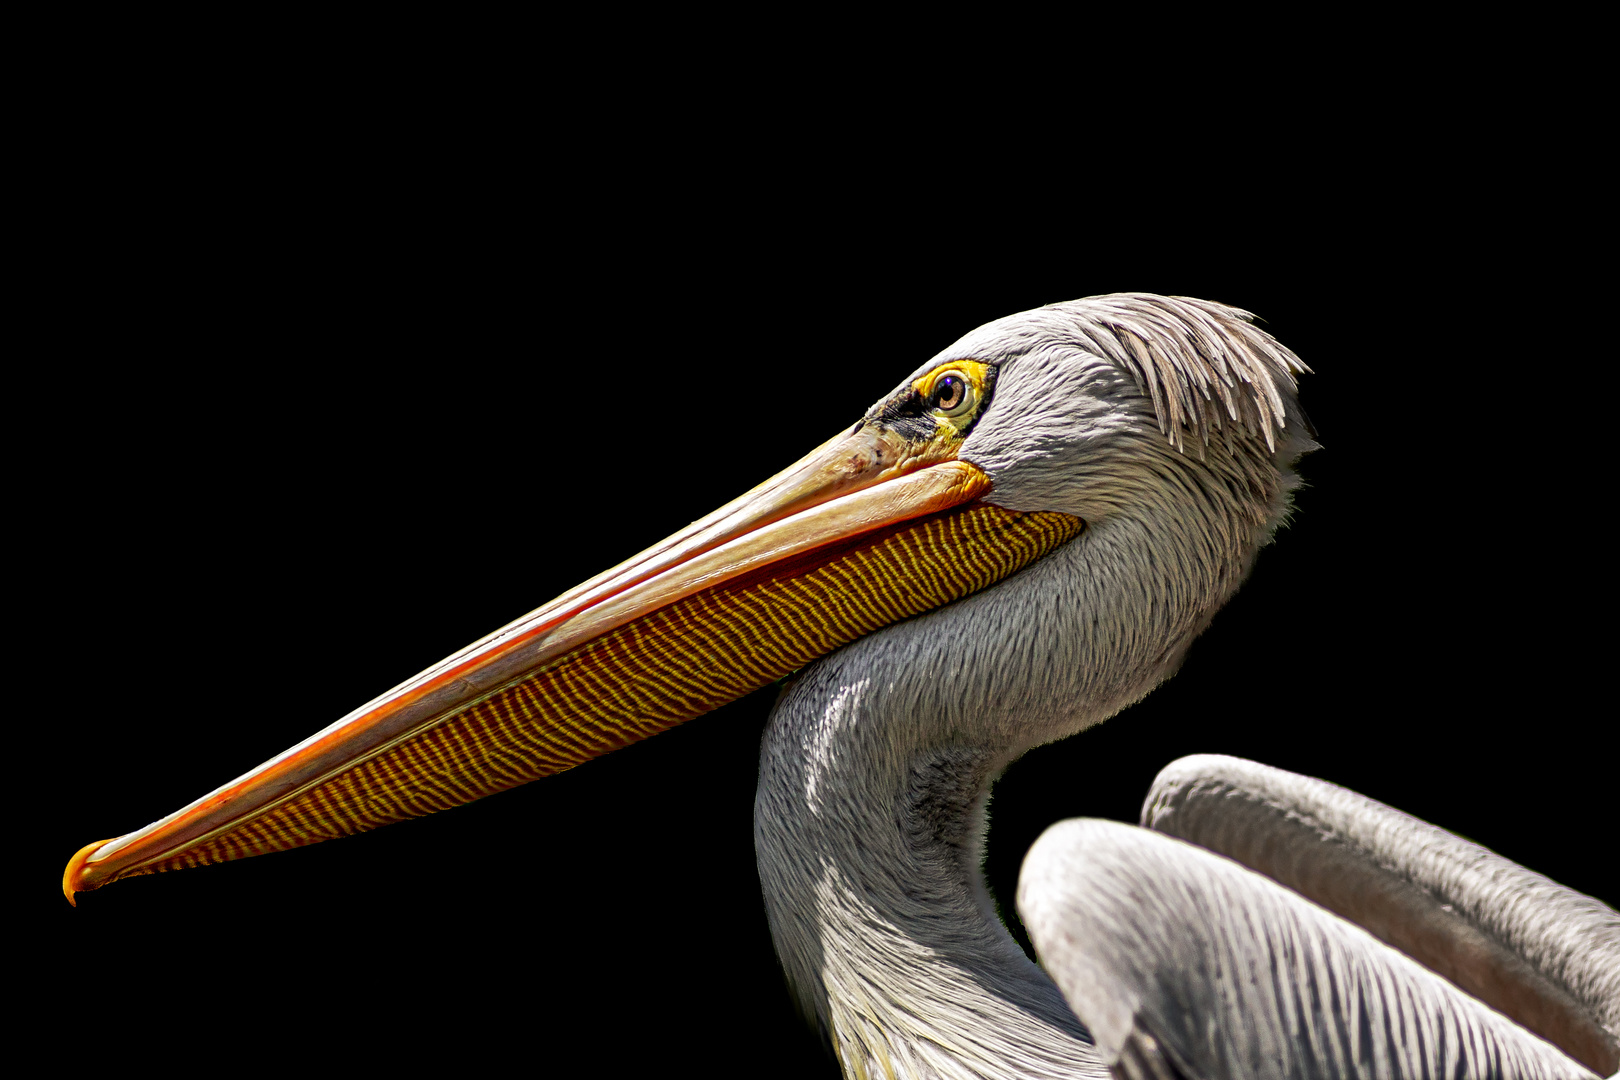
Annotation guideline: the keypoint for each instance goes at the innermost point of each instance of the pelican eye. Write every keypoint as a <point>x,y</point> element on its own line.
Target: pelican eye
<point>951,394</point>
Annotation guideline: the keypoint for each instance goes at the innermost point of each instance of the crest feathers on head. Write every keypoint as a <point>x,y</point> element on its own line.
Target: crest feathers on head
<point>1203,365</point>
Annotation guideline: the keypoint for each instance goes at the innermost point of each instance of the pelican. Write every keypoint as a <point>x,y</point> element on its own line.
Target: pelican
<point>1018,541</point>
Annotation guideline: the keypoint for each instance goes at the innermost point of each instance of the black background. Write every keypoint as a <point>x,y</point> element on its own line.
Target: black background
<point>328,390</point>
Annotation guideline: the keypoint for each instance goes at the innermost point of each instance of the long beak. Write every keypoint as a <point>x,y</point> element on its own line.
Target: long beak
<point>870,528</point>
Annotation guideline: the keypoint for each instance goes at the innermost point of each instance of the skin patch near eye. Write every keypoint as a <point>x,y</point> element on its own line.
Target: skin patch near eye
<point>925,421</point>
<point>955,394</point>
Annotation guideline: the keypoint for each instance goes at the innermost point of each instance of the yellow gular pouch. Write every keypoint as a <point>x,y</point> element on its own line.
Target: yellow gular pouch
<point>955,394</point>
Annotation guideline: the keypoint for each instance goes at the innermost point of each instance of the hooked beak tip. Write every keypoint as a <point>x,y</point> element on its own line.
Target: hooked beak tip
<point>73,877</point>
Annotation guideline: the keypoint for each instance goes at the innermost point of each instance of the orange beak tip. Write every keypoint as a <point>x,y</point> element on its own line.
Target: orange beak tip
<point>73,876</point>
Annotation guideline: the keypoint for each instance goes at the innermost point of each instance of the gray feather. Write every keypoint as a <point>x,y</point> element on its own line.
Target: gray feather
<point>1236,977</point>
<point>1529,947</point>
